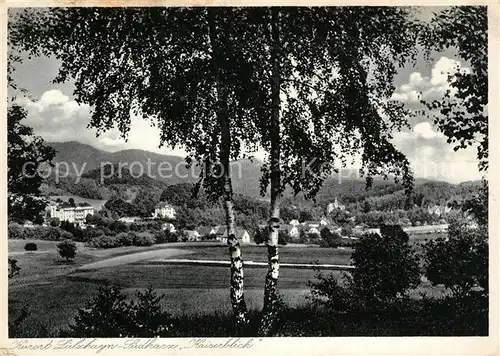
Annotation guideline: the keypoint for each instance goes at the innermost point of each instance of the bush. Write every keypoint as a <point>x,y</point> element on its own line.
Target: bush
<point>346,230</point>
<point>13,268</point>
<point>109,314</point>
<point>260,235</point>
<point>329,238</point>
<point>54,222</point>
<point>328,292</point>
<point>386,266</point>
<point>104,241</point>
<point>283,237</point>
<point>164,236</point>
<point>31,246</point>
<point>16,231</point>
<point>460,263</point>
<point>67,249</point>
<point>123,239</point>
<point>143,239</point>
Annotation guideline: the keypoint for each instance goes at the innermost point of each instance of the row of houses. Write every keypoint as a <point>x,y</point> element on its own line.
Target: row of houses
<point>219,233</point>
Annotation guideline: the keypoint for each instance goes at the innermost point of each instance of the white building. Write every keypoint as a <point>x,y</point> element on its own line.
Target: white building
<point>129,219</point>
<point>164,210</point>
<point>334,206</point>
<point>72,214</point>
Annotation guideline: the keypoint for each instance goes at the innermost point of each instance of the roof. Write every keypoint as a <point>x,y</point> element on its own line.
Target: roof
<point>240,233</point>
<point>163,204</point>
<point>313,222</point>
<point>190,233</point>
<point>204,230</point>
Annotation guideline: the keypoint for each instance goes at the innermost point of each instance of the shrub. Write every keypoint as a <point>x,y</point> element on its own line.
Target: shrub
<point>329,238</point>
<point>164,236</point>
<point>346,230</point>
<point>13,268</point>
<point>109,314</point>
<point>91,233</point>
<point>67,249</point>
<point>31,246</point>
<point>460,262</point>
<point>313,237</point>
<point>124,239</point>
<point>104,241</point>
<point>16,231</point>
<point>54,222</point>
<point>143,239</point>
<point>327,291</point>
<point>386,266</point>
<point>53,234</point>
<point>260,235</point>
<point>283,237</point>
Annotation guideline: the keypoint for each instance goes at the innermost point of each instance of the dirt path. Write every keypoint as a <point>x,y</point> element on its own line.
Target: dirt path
<point>134,257</point>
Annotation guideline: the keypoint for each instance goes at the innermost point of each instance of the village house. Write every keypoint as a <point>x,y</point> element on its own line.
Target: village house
<point>292,230</point>
<point>206,231</point>
<point>315,223</point>
<point>241,234</point>
<point>439,210</point>
<point>192,235</point>
<point>164,210</point>
<point>334,206</point>
<point>73,214</point>
<point>294,222</point>
<point>168,226</point>
<point>129,219</point>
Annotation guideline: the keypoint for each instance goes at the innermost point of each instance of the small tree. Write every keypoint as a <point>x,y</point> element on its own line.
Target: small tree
<point>67,249</point>
<point>386,266</point>
<point>31,246</point>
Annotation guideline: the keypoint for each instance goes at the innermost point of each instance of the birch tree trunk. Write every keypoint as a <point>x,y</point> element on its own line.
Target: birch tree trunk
<point>271,295</point>
<point>236,278</point>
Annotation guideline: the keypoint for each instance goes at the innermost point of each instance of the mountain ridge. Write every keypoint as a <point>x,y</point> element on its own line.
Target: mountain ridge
<point>245,179</point>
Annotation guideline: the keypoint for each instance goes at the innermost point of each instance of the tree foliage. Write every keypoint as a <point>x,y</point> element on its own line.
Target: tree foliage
<point>67,249</point>
<point>386,266</point>
<point>462,113</point>
<point>109,314</point>
<point>26,155</point>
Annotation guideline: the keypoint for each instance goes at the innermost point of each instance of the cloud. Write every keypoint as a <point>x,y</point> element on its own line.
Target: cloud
<point>420,87</point>
<point>425,130</point>
<point>432,157</point>
<point>56,117</point>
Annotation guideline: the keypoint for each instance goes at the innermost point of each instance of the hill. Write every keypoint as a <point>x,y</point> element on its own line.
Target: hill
<point>167,170</point>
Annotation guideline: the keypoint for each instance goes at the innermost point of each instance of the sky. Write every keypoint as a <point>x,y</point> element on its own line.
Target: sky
<point>56,116</point>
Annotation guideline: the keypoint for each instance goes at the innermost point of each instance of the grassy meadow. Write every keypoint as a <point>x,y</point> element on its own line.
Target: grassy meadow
<point>52,290</point>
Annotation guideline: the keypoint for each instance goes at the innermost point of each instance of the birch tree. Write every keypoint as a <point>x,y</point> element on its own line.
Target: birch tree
<point>326,77</point>
<point>179,68</point>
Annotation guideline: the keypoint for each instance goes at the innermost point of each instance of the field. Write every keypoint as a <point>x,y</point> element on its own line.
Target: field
<point>52,290</point>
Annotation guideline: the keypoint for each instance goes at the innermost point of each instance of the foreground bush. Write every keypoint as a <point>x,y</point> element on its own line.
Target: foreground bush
<point>67,249</point>
<point>386,268</point>
<point>460,262</point>
<point>109,314</point>
<point>31,246</point>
